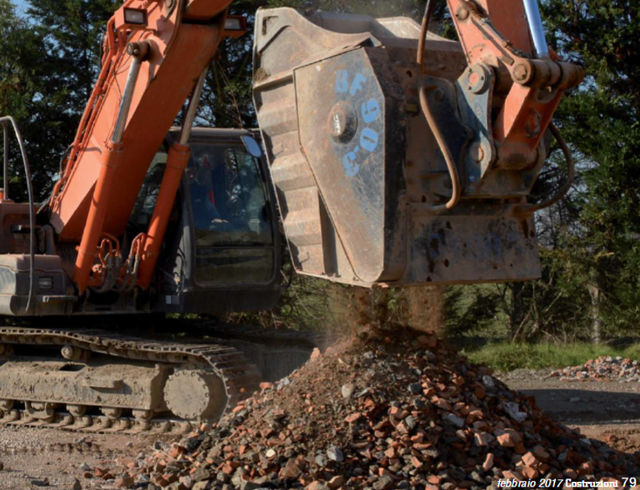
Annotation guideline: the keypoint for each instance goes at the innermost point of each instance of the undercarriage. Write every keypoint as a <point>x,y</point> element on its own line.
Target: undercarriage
<point>95,380</point>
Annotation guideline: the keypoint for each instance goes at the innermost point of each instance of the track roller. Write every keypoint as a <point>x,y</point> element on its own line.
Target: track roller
<point>77,410</point>
<point>111,413</point>
<point>6,350</point>
<point>72,353</point>
<point>40,411</point>
<point>6,405</point>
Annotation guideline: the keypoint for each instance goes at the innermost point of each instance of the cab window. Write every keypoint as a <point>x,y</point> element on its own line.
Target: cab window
<point>233,231</point>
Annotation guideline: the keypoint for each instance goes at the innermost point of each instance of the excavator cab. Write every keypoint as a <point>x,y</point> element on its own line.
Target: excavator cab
<point>225,254</point>
<point>222,251</point>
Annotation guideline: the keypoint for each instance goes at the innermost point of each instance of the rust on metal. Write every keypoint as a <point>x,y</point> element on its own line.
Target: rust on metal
<point>371,193</point>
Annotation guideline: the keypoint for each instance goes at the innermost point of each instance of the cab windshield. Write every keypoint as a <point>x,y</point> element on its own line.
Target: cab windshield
<point>233,233</point>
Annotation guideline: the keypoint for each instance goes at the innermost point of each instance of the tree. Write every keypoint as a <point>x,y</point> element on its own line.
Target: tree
<point>69,35</point>
<point>601,120</point>
<point>590,248</point>
<point>226,98</point>
<point>13,78</point>
<point>72,39</point>
<point>19,86</point>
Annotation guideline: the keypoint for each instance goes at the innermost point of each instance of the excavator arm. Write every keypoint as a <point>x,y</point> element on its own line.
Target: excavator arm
<point>523,63</point>
<point>404,158</point>
<point>155,53</point>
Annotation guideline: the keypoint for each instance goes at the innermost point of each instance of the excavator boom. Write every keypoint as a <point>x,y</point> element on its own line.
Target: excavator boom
<point>154,54</point>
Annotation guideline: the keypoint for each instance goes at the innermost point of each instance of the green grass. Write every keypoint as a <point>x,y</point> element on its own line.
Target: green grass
<point>506,356</point>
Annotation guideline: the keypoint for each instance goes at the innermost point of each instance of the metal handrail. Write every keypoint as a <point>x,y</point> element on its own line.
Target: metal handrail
<point>5,121</point>
<point>5,172</point>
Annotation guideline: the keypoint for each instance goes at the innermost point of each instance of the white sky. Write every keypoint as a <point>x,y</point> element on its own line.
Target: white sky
<point>21,4</point>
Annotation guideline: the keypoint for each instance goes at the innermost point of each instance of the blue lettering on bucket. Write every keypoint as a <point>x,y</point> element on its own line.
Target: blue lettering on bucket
<point>370,113</point>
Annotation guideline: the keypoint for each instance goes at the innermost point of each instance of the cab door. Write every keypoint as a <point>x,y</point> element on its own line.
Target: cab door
<point>228,257</point>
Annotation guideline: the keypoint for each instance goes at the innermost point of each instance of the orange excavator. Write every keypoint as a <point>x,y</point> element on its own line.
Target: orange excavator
<point>391,157</point>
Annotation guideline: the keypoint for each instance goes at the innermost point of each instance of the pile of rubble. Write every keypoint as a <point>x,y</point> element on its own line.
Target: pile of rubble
<point>602,368</point>
<point>380,414</point>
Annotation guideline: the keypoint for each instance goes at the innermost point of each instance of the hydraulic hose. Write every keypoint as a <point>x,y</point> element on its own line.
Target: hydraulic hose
<point>456,190</point>
<point>426,18</point>
<point>571,173</point>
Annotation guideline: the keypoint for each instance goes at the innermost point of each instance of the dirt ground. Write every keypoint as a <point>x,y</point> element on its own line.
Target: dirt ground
<point>46,458</point>
<point>51,458</point>
<point>605,410</point>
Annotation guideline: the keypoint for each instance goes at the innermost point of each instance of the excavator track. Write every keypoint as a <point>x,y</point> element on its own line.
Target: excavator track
<point>238,376</point>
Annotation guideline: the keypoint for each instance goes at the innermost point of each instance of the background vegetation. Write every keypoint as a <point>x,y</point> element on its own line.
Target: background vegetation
<point>590,242</point>
<point>506,356</point>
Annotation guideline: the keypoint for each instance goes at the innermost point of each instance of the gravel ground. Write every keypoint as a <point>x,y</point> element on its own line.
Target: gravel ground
<point>382,412</point>
<point>35,458</point>
<point>577,402</point>
<point>604,410</point>
<point>47,458</point>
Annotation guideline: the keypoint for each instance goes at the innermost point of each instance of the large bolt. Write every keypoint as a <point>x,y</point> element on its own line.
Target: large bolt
<point>343,122</point>
<point>140,49</point>
<point>478,78</point>
<point>522,73</point>
<point>462,13</point>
